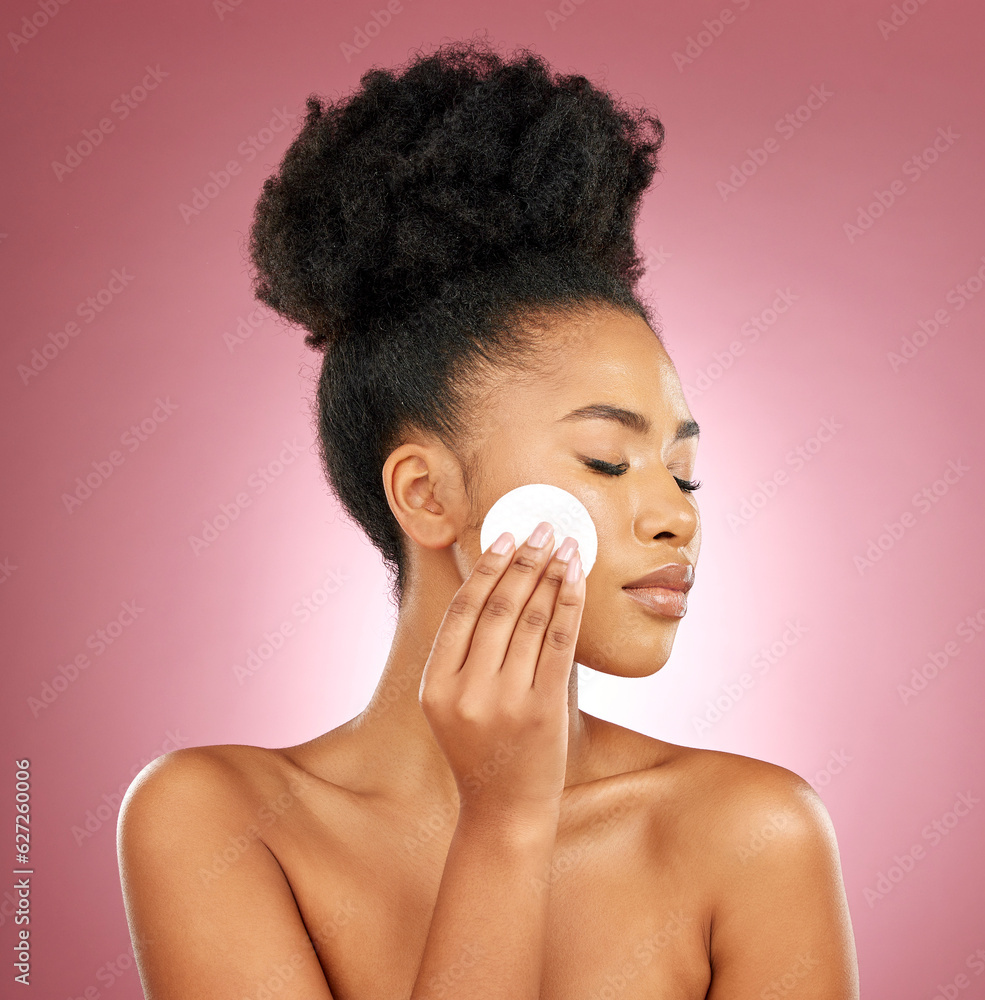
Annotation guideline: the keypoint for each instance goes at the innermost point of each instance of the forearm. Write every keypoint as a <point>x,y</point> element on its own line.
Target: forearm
<point>489,927</point>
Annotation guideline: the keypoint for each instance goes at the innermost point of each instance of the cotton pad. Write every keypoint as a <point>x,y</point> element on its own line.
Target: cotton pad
<point>522,509</point>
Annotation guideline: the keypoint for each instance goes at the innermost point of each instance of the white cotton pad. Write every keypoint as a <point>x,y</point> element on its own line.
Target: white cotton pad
<point>522,509</point>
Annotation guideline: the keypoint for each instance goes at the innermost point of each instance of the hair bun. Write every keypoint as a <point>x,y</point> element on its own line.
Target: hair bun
<point>420,179</point>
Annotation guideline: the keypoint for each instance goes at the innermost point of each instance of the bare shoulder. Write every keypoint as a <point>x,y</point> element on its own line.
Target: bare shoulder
<point>210,797</point>
<point>746,799</point>
<point>733,806</point>
<point>218,781</point>
<point>184,800</point>
<point>197,873</point>
<point>709,788</point>
<point>735,778</point>
<point>765,861</point>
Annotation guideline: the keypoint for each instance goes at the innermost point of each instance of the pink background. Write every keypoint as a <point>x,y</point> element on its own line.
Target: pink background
<point>828,707</point>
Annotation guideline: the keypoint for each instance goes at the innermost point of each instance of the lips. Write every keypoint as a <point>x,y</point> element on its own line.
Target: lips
<point>664,590</point>
<point>672,576</point>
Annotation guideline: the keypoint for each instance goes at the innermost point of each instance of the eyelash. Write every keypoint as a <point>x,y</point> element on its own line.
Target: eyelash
<point>608,469</point>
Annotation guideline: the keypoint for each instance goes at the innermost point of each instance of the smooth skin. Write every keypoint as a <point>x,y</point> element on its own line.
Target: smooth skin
<point>472,833</point>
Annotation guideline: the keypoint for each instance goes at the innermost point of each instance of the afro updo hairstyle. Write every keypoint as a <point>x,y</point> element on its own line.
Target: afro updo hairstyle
<point>419,226</point>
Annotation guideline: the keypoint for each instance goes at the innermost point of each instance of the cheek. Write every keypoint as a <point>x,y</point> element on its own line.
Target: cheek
<point>599,634</point>
<point>605,517</point>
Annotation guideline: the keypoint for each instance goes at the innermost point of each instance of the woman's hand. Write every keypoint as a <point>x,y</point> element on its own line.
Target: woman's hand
<point>495,687</point>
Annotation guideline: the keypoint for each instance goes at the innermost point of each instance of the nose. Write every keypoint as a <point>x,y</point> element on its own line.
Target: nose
<point>662,510</point>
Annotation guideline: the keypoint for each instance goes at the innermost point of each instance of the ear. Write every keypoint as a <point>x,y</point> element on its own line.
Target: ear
<point>426,492</point>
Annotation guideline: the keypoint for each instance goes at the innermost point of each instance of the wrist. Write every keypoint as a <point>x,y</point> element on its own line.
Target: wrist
<point>511,819</point>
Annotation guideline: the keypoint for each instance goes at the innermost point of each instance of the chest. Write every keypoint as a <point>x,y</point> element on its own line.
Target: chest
<point>623,917</point>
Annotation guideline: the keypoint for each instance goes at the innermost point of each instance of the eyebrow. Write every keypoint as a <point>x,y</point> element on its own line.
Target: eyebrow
<point>636,422</point>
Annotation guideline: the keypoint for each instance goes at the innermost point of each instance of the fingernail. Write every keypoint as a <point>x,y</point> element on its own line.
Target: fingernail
<point>503,544</point>
<point>574,568</point>
<point>540,534</point>
<point>566,548</point>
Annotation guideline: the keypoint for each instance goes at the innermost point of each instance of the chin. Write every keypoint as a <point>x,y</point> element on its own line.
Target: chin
<point>626,648</point>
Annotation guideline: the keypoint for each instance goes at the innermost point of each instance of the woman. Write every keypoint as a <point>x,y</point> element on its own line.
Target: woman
<point>458,241</point>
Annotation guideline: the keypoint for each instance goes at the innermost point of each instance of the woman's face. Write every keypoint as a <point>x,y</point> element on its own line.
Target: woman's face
<point>530,432</point>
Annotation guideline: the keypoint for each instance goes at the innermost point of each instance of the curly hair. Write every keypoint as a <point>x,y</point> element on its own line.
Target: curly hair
<point>418,227</point>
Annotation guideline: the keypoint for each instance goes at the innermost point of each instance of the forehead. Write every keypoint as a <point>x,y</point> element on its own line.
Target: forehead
<point>609,356</point>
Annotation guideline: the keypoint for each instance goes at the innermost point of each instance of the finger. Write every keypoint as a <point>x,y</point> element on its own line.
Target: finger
<point>520,661</point>
<point>503,607</point>
<point>454,635</point>
<point>558,651</point>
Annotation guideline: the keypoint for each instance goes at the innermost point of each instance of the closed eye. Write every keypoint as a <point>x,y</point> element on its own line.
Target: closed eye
<point>608,469</point>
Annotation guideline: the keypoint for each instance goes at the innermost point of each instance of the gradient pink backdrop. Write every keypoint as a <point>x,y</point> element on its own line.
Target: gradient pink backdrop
<point>828,707</point>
